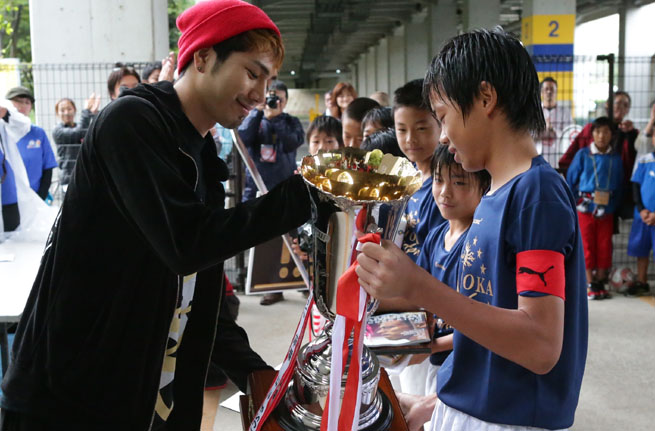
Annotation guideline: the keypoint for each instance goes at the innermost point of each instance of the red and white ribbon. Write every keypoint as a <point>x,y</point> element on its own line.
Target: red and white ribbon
<point>281,382</point>
<point>350,319</point>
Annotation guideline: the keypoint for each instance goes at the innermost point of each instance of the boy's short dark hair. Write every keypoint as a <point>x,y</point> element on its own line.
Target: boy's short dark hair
<point>381,116</point>
<point>547,79</point>
<point>442,157</point>
<point>328,125</point>
<point>600,122</point>
<point>280,86</point>
<point>410,95</point>
<point>383,140</point>
<point>120,70</point>
<point>359,107</point>
<point>149,68</point>
<point>497,58</point>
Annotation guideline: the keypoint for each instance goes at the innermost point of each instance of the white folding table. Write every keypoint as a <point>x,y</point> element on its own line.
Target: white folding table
<point>19,263</point>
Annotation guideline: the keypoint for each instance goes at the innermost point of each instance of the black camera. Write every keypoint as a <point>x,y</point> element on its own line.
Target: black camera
<point>272,100</point>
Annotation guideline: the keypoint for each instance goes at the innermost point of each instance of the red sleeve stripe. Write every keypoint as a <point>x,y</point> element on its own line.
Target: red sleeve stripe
<point>540,271</point>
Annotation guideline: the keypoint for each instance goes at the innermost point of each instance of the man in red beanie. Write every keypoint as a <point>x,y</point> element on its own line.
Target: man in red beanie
<point>118,329</point>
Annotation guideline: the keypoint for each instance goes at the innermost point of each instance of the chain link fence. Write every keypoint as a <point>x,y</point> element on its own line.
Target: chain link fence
<point>584,87</point>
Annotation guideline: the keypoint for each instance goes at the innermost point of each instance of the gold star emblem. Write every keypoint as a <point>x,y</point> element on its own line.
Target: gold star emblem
<point>479,253</point>
<point>483,269</point>
<point>475,241</point>
<point>477,220</point>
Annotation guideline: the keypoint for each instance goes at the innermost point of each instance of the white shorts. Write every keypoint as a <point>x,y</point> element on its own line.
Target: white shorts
<point>446,418</point>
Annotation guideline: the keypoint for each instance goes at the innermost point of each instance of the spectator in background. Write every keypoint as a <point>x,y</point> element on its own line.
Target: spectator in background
<point>381,97</point>
<point>596,178</point>
<point>324,134</point>
<point>624,136</point>
<point>342,94</point>
<point>328,103</point>
<point>151,72</point>
<point>272,138</point>
<point>34,147</point>
<point>121,77</point>
<point>68,135</point>
<point>352,118</point>
<point>557,116</point>
<point>377,119</point>
<point>13,125</point>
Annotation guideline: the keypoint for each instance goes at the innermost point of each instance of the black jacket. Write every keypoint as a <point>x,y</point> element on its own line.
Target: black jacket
<point>90,344</point>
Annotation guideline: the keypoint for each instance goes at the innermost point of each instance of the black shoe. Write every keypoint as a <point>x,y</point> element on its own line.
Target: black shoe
<point>637,289</point>
<point>594,291</point>
<point>271,298</point>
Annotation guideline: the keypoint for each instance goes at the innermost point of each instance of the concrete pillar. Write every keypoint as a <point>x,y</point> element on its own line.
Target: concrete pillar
<point>443,24</point>
<point>481,14</point>
<point>89,32</point>
<point>382,65</point>
<point>362,72</point>
<point>397,59</point>
<point>417,41</point>
<point>371,72</point>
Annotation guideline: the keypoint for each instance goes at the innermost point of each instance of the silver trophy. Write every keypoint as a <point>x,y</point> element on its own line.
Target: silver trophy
<point>360,192</point>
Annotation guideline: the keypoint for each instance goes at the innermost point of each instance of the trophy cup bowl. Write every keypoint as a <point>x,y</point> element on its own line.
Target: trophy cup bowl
<point>360,192</point>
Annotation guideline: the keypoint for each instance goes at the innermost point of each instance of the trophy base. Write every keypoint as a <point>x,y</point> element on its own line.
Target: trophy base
<point>391,419</point>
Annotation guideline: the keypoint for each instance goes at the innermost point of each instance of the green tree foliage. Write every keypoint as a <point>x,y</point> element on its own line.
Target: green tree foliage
<point>175,8</point>
<point>15,29</point>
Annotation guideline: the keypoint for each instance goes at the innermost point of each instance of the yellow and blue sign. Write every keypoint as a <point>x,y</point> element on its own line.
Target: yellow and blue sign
<point>549,40</point>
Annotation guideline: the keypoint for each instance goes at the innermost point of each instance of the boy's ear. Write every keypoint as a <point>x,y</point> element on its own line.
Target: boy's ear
<point>488,97</point>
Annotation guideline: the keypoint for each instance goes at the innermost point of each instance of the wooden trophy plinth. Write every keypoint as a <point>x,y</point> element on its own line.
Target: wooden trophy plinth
<point>261,380</point>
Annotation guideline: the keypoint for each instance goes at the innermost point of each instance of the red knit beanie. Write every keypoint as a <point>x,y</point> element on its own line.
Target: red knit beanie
<point>212,21</point>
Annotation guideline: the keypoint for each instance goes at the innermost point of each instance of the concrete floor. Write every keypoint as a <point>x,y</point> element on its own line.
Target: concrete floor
<point>618,391</point>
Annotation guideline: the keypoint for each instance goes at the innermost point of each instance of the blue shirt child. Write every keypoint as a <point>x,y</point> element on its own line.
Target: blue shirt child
<point>37,155</point>
<point>422,217</point>
<point>443,265</point>
<point>591,171</point>
<point>642,236</point>
<point>519,217</point>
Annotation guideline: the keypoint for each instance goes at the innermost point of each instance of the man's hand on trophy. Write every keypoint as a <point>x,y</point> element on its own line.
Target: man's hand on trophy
<point>386,272</point>
<point>417,409</point>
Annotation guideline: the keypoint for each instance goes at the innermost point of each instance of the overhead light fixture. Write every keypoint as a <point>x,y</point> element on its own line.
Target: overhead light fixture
<point>293,72</point>
<point>338,70</point>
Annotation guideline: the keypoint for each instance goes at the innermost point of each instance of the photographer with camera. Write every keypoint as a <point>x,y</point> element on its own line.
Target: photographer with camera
<point>272,138</point>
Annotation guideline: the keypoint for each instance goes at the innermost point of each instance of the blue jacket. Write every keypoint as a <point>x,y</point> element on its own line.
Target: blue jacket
<point>284,133</point>
<point>609,168</point>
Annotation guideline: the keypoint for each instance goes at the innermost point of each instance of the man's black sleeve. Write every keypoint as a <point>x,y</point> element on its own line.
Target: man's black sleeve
<point>44,186</point>
<point>139,159</point>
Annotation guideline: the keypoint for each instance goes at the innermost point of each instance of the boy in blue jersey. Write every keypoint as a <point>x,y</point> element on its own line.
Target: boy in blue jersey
<point>642,234</point>
<point>418,136</point>
<point>520,311</point>
<point>457,193</point>
<point>596,177</point>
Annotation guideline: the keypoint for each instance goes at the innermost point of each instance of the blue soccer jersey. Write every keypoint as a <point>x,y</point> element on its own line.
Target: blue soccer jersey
<point>442,264</point>
<point>535,211</point>
<point>37,155</point>
<point>422,216</point>
<point>644,175</point>
<point>9,194</point>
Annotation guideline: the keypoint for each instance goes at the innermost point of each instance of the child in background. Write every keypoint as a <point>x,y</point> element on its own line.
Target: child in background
<point>383,140</point>
<point>457,193</point>
<point>352,118</point>
<point>596,176</point>
<point>377,119</point>
<point>324,134</point>
<point>418,136</point>
<point>642,234</point>
<point>520,312</point>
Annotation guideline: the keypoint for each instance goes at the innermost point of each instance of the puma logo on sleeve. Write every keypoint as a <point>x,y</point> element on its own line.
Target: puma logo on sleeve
<point>542,275</point>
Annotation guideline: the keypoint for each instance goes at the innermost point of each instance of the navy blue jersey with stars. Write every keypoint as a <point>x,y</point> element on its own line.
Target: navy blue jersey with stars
<point>422,216</point>
<point>533,211</point>
<point>442,264</point>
